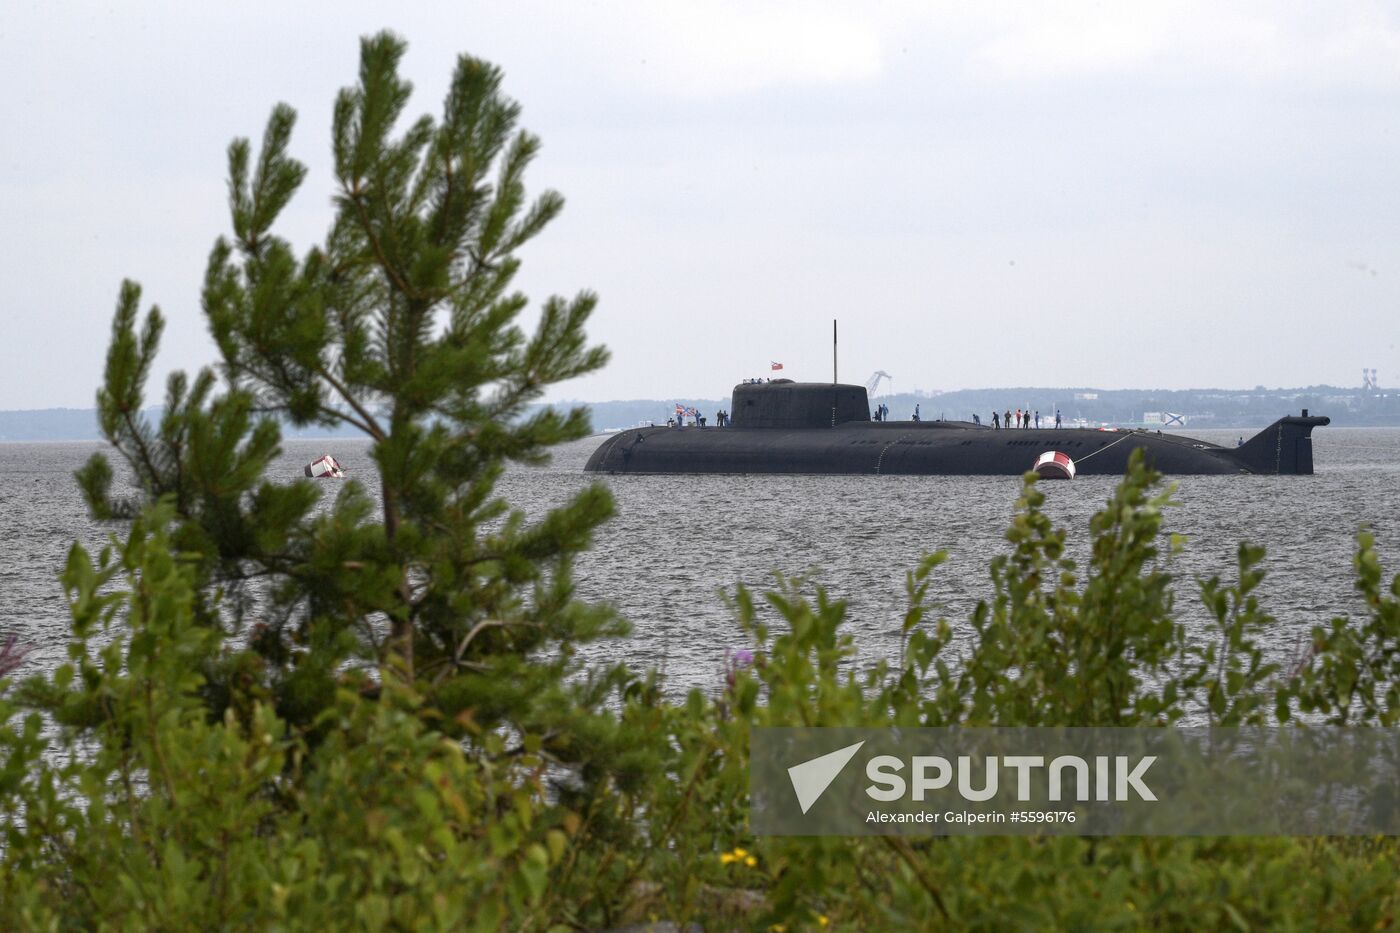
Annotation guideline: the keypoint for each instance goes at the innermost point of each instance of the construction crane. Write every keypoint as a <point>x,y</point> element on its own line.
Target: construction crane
<point>873,383</point>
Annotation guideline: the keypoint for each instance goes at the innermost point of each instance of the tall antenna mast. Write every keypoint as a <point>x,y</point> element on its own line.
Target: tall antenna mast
<point>834,380</point>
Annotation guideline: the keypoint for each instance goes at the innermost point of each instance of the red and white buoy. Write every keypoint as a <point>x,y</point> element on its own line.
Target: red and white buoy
<point>324,468</point>
<point>1054,465</point>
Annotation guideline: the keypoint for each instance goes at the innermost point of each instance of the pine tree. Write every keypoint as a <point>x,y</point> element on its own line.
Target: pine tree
<point>403,324</point>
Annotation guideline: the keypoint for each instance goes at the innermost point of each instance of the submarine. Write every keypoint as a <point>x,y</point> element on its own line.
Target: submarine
<point>783,426</point>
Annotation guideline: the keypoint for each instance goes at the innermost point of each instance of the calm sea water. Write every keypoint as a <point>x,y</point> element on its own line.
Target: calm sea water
<point>678,540</point>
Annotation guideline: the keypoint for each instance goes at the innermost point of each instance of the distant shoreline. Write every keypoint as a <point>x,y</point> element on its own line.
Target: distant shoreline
<point>80,424</point>
<point>1199,409</point>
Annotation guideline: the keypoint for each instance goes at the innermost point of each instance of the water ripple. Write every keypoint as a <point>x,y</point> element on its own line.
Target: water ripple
<point>677,541</point>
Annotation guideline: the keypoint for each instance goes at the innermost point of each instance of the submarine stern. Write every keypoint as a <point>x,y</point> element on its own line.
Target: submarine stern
<point>1284,448</point>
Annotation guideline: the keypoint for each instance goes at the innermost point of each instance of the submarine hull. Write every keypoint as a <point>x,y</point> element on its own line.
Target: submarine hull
<point>787,427</point>
<point>919,448</point>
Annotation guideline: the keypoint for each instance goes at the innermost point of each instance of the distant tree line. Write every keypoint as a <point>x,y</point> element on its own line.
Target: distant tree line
<point>1203,408</point>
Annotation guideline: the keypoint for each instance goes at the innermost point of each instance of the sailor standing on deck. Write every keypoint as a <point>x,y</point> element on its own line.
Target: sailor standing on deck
<point>1057,418</point>
<point>996,421</point>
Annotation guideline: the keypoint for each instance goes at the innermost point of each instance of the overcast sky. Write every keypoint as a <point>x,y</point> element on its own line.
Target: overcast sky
<point>1115,195</point>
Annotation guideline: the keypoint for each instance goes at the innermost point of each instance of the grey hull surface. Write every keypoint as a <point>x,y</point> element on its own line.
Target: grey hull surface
<point>804,427</point>
<point>947,448</point>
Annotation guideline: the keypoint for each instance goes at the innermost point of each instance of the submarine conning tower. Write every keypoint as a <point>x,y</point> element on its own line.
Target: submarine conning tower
<point>782,403</point>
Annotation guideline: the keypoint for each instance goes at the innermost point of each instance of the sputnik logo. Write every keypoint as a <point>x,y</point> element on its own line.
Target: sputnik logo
<point>811,778</point>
